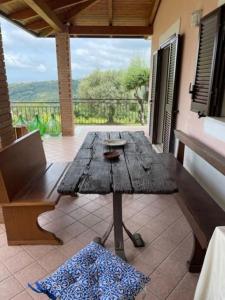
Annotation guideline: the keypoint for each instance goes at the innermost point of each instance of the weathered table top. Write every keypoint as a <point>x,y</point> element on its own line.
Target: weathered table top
<point>138,170</point>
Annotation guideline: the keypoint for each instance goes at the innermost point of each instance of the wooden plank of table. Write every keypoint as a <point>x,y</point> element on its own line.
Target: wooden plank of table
<point>70,183</point>
<point>97,178</point>
<point>146,172</point>
<point>138,170</point>
<point>120,176</point>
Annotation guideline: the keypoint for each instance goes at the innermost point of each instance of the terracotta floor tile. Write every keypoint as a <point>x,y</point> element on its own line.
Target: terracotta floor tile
<point>152,257</point>
<point>52,260</point>
<point>67,204</point>
<point>2,228</point>
<point>91,206</point>
<point>79,213</point>
<point>173,268</point>
<point>100,227</point>
<point>183,251</point>
<point>4,272</point>
<point>64,235</point>
<point>76,228</point>
<point>9,288</point>
<point>151,211</point>
<point>37,251</point>
<point>59,223</point>
<point>141,219</point>
<point>161,285</point>
<point>37,296</point>
<point>71,248</point>
<point>146,296</point>
<point>82,200</point>
<point>103,212</point>
<point>53,214</point>
<point>18,261</point>
<point>86,237</point>
<point>9,251</point>
<point>3,240</point>
<point>90,220</point>
<point>30,274</point>
<point>147,235</point>
<point>22,296</point>
<point>186,288</point>
<point>164,244</point>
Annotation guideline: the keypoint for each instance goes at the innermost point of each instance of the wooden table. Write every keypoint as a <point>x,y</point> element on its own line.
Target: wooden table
<point>139,170</point>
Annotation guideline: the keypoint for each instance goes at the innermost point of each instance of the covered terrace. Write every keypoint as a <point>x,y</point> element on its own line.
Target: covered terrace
<point>174,226</point>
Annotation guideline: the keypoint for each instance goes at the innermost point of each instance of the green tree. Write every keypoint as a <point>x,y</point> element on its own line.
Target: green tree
<point>136,80</point>
<point>104,85</point>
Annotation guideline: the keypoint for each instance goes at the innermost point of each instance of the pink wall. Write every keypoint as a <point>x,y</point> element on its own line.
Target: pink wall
<point>169,12</point>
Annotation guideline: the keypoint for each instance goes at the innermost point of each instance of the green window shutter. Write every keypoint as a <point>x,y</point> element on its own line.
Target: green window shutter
<point>203,90</point>
<point>172,93</point>
<point>154,96</point>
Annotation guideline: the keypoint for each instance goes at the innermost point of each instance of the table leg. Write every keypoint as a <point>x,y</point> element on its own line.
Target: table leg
<point>118,225</point>
<point>103,239</point>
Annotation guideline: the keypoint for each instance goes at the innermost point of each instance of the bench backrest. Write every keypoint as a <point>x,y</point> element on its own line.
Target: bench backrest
<point>212,157</point>
<point>19,163</point>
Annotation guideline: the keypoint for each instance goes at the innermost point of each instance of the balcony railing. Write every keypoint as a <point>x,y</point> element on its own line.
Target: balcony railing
<point>86,111</point>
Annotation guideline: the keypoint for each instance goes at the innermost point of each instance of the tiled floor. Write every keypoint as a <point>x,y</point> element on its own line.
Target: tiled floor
<point>77,220</point>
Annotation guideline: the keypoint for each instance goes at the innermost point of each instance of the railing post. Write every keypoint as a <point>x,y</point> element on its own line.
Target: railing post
<point>65,82</point>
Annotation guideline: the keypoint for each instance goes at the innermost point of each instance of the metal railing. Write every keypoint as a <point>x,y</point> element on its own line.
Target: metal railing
<point>86,111</point>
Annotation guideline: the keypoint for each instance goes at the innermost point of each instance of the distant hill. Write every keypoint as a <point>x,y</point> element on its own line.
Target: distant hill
<point>37,91</point>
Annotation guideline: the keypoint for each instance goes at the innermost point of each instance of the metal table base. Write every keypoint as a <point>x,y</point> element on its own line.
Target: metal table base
<point>118,225</point>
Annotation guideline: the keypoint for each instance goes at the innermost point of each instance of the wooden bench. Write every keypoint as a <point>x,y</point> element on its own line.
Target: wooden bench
<point>199,208</point>
<point>27,189</point>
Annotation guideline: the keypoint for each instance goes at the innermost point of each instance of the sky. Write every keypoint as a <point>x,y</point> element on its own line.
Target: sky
<point>34,59</point>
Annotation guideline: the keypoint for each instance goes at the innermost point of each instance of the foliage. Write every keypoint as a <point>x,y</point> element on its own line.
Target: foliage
<point>136,79</point>
<point>103,85</point>
<point>137,75</point>
<point>40,91</point>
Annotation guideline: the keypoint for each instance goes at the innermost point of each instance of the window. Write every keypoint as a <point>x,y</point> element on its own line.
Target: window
<point>208,90</point>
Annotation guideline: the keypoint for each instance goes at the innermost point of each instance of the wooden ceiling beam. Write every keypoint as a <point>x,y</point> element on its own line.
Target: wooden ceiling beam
<point>45,12</point>
<point>5,1</point>
<point>46,32</point>
<point>110,12</point>
<point>111,30</point>
<point>154,11</point>
<point>55,5</point>
<point>78,8</point>
<point>37,25</point>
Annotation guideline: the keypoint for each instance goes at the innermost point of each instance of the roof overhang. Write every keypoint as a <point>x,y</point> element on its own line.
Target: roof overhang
<point>83,18</point>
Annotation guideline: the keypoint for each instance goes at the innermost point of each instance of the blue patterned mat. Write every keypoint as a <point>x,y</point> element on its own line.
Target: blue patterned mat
<point>94,273</point>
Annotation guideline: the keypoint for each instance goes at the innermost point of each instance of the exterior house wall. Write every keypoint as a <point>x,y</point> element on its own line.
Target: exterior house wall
<point>174,16</point>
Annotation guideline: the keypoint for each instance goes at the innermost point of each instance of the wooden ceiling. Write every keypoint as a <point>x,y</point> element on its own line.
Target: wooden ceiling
<point>84,18</point>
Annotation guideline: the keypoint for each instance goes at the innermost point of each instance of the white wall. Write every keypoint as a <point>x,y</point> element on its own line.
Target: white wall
<point>209,178</point>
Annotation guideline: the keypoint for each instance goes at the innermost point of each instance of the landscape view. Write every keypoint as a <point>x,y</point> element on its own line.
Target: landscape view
<point>110,84</point>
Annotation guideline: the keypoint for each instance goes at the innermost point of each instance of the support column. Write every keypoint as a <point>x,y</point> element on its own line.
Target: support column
<point>65,82</point>
<point>7,132</point>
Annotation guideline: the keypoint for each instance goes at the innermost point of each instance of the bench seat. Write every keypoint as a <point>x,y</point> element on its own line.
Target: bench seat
<point>28,188</point>
<point>200,209</point>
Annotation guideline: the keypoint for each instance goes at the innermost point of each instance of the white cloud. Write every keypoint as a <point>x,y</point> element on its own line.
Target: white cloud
<point>29,58</point>
<point>81,52</point>
<point>16,60</point>
<point>41,68</point>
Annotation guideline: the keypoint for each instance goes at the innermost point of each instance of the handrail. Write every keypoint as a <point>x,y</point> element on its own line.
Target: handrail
<point>74,100</point>
<point>211,156</point>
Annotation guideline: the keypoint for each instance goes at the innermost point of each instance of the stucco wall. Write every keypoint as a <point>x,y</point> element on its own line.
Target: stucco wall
<point>177,14</point>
